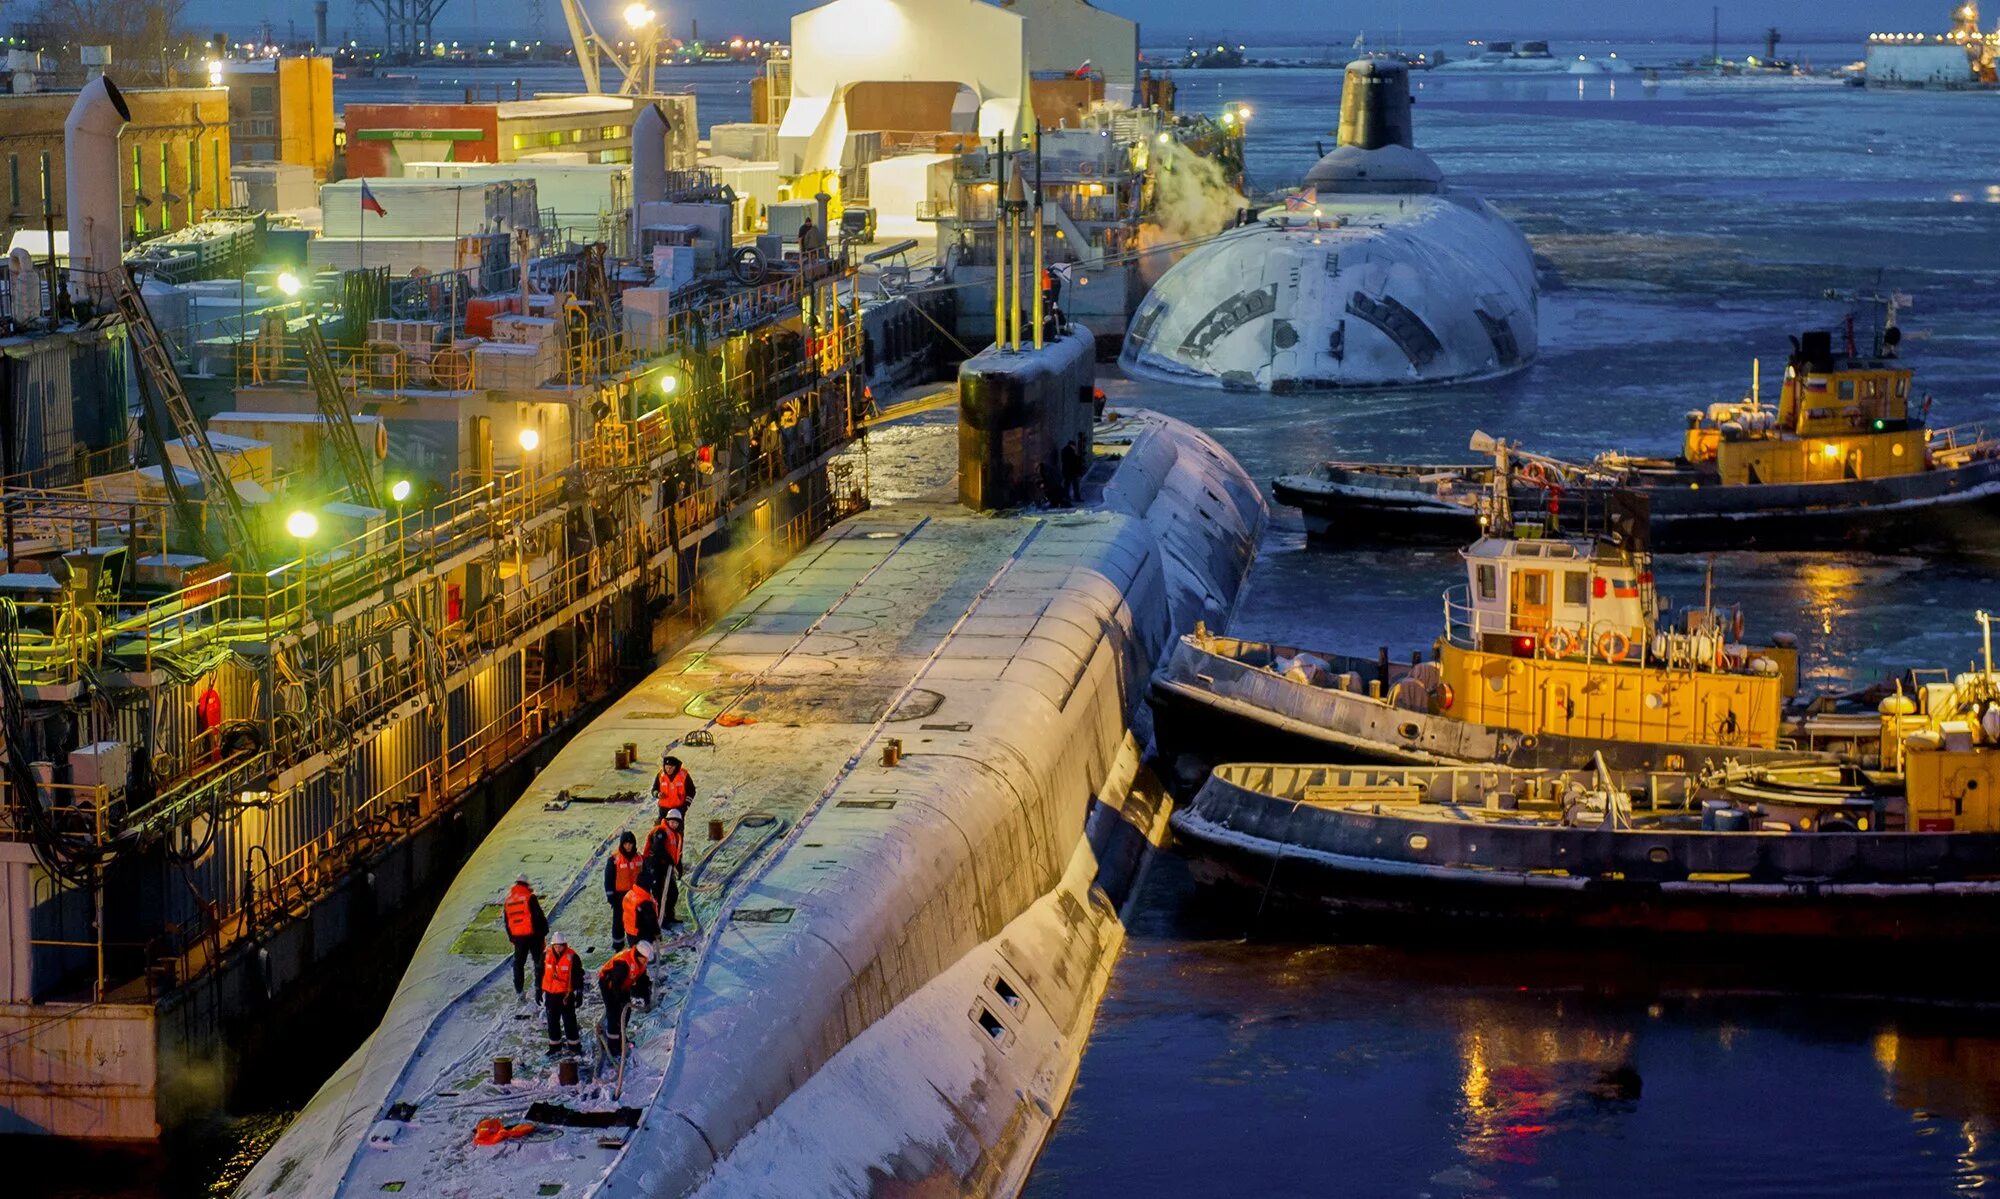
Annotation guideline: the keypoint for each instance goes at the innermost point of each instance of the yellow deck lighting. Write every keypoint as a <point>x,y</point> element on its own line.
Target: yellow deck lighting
<point>288,283</point>
<point>530,440</point>
<point>669,383</point>
<point>399,490</point>
<point>302,525</point>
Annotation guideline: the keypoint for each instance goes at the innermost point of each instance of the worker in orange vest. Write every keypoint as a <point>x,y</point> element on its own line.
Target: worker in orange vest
<point>663,863</point>
<point>641,916</point>
<point>621,980</point>
<point>562,978</point>
<point>621,873</point>
<point>526,926</point>
<point>673,787</point>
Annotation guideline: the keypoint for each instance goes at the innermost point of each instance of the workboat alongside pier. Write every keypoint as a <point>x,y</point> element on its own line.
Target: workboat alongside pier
<point>1844,460</point>
<point>916,753</point>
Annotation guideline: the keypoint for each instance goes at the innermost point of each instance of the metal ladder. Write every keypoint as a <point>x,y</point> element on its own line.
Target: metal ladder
<point>339,417</point>
<point>170,409</point>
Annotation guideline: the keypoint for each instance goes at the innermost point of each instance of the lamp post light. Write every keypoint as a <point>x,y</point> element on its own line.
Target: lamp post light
<point>303,526</point>
<point>399,491</point>
<point>645,26</point>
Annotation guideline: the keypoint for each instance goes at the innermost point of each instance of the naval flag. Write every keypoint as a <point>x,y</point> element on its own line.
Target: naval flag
<point>369,203</point>
<point>1302,200</point>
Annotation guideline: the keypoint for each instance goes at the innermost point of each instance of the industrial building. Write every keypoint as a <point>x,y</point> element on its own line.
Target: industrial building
<point>174,160</point>
<point>281,110</point>
<point>383,138</point>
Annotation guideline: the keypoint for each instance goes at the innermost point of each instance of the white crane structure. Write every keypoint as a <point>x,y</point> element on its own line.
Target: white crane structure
<point>636,65</point>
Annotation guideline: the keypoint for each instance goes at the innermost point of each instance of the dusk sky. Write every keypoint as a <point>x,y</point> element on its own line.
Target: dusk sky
<point>1160,18</point>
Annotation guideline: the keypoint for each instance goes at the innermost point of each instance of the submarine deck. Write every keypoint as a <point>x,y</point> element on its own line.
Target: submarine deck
<point>891,617</point>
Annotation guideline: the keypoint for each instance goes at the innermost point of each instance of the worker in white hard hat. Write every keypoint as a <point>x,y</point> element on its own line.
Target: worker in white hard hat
<point>620,981</point>
<point>562,991</point>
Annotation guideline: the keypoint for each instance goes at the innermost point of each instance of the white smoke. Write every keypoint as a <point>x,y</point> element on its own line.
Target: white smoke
<point>1192,201</point>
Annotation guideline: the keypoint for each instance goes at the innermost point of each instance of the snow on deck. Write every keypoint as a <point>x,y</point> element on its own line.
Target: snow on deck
<point>1007,655</point>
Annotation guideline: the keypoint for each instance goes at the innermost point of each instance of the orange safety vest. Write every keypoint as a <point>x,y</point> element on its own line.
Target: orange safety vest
<point>673,790</point>
<point>559,970</point>
<point>520,921</point>
<point>634,968</point>
<point>675,836</point>
<point>625,870</point>
<point>634,899</point>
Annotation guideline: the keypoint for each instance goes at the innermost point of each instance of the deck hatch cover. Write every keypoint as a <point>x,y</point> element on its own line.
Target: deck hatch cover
<point>880,805</point>
<point>485,935</point>
<point>763,915</point>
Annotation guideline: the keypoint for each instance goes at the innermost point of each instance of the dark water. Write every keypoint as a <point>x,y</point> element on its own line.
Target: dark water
<point>1687,229</point>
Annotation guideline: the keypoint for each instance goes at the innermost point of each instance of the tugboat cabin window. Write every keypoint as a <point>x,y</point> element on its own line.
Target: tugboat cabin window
<point>1576,587</point>
<point>1847,389</point>
<point>1487,586</point>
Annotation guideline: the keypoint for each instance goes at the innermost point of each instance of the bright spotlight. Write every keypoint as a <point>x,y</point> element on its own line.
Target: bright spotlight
<point>288,283</point>
<point>302,525</point>
<point>214,72</point>
<point>638,16</point>
<point>399,490</point>
<point>669,383</point>
<point>530,440</point>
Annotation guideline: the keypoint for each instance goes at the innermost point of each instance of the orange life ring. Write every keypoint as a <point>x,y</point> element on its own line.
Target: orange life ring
<point>1613,645</point>
<point>1558,642</point>
<point>1445,696</point>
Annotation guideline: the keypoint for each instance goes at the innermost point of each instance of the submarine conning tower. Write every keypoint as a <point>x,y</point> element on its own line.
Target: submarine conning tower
<point>1018,409</point>
<point>1375,105</point>
<point>1376,154</point>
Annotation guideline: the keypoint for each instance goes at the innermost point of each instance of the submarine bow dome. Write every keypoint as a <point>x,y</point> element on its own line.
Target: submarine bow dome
<point>1390,278</point>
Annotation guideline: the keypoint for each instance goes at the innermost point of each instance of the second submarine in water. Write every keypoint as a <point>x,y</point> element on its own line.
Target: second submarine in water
<point>1374,274</point>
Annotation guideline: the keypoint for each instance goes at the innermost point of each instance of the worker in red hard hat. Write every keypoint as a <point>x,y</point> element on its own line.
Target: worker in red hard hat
<point>621,981</point>
<point>526,927</point>
<point>673,787</point>
<point>562,993</point>
<point>621,873</point>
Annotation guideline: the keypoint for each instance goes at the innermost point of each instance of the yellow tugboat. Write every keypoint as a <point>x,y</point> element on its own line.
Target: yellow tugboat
<point>1843,458</point>
<point>1554,651</point>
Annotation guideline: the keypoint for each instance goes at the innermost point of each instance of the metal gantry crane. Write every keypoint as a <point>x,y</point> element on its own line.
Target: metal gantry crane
<point>167,407</point>
<point>406,23</point>
<point>591,46</point>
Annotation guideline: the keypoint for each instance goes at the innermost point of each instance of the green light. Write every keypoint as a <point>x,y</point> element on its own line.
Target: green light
<point>1881,425</point>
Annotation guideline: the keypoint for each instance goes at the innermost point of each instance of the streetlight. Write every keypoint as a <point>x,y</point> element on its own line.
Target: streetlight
<point>399,491</point>
<point>288,283</point>
<point>530,440</point>
<point>642,22</point>
<point>214,72</point>
<point>303,525</point>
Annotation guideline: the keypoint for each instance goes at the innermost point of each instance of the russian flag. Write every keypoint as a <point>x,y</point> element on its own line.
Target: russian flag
<point>369,203</point>
<point>1624,589</point>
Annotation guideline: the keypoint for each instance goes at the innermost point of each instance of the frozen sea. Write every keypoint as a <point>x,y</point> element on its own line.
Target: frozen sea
<point>1685,228</point>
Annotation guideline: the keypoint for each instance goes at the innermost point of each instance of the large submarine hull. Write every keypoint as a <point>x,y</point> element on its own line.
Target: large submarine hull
<point>893,958</point>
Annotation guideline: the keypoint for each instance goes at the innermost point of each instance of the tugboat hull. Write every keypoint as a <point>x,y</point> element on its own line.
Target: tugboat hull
<point>1362,860</point>
<point>1942,509</point>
